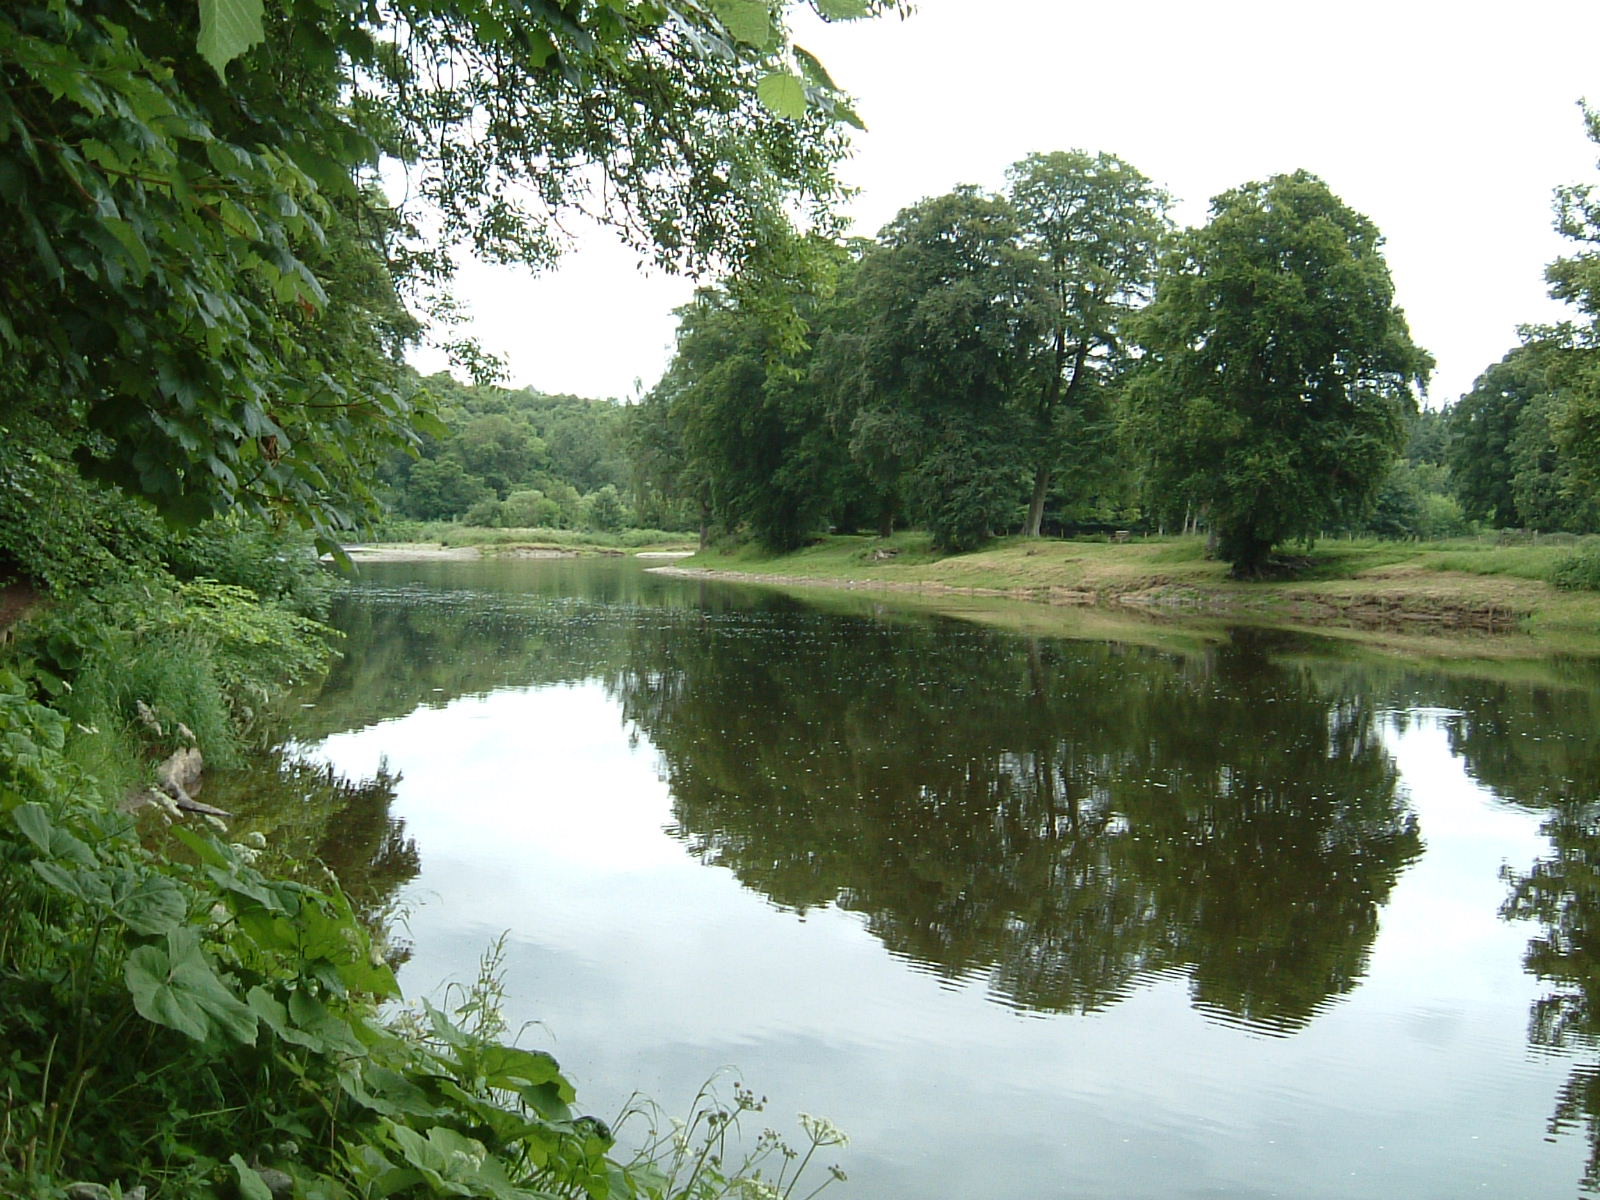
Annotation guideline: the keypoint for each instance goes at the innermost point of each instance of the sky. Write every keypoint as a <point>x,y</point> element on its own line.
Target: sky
<point>1449,125</point>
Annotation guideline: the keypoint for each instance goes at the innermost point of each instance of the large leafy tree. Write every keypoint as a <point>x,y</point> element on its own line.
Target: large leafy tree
<point>944,318</point>
<point>1278,371</point>
<point>754,442</point>
<point>1092,223</point>
<point>200,286</point>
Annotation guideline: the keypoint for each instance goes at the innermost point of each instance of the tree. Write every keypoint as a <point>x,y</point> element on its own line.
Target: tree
<point>500,451</point>
<point>945,318</point>
<point>1575,370</point>
<point>755,442</point>
<point>1483,425</point>
<point>1544,482</point>
<point>1277,372</point>
<point>199,281</point>
<point>1092,224</point>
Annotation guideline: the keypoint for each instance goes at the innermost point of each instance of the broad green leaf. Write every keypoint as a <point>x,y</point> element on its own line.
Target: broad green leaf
<point>87,886</point>
<point>35,823</point>
<point>749,21</point>
<point>811,66</point>
<point>203,846</point>
<point>842,10</point>
<point>318,1028</point>
<point>388,1092</point>
<point>149,904</point>
<point>37,826</point>
<point>251,1185</point>
<point>227,29</point>
<point>176,986</point>
<point>510,1067</point>
<point>783,93</point>
<point>266,1008</point>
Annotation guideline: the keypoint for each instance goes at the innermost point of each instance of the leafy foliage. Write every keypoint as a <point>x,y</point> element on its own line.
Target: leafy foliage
<point>941,323</point>
<point>1094,223</point>
<point>511,458</point>
<point>1278,369</point>
<point>201,288</point>
<point>184,1020</point>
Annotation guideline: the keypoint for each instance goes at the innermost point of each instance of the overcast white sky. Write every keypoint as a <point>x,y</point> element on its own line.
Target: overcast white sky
<point>1448,125</point>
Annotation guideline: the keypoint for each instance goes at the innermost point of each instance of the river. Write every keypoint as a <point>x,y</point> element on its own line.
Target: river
<point>1187,914</point>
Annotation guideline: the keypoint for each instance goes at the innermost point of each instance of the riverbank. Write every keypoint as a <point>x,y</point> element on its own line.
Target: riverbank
<point>388,552</point>
<point>1464,587</point>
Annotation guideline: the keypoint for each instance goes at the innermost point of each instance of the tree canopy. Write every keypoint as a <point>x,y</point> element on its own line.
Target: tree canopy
<point>203,292</point>
<point>1093,223</point>
<point>1278,370</point>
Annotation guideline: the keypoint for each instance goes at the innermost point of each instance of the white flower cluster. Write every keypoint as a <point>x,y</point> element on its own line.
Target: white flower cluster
<point>822,1131</point>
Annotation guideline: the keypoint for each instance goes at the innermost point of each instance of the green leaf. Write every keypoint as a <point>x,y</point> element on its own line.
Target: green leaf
<point>35,823</point>
<point>783,93</point>
<point>227,29</point>
<point>749,21</point>
<point>176,986</point>
<point>251,1185</point>
<point>202,846</point>
<point>510,1067</point>
<point>811,66</point>
<point>55,842</point>
<point>153,904</point>
<point>842,10</point>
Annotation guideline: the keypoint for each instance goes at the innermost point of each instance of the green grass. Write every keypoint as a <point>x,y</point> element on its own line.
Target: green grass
<point>1339,580</point>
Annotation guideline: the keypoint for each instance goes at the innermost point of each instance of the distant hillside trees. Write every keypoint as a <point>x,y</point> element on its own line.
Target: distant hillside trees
<point>516,458</point>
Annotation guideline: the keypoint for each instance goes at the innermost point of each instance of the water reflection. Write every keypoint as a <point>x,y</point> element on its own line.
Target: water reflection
<point>1067,817</point>
<point>1562,893</point>
<point>1060,822</point>
<point>313,818</point>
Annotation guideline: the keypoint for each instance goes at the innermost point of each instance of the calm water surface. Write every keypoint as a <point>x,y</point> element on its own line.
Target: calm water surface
<point>1027,917</point>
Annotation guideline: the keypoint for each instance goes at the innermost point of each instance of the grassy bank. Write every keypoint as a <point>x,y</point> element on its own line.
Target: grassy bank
<point>1466,585</point>
<point>450,535</point>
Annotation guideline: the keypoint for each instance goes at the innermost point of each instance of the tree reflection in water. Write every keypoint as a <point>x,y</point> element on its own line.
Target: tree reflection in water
<point>1562,893</point>
<point>1068,818</point>
<point>314,818</point>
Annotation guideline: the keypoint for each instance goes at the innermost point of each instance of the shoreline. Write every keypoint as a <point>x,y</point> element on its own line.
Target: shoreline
<point>1356,610</point>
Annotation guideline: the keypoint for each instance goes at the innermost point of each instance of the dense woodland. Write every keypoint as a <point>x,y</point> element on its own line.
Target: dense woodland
<point>1055,359</point>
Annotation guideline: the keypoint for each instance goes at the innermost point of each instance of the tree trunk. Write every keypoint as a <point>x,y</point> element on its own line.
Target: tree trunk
<point>1041,489</point>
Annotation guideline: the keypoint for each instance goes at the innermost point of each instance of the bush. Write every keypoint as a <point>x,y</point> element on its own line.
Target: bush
<point>604,510</point>
<point>487,514</point>
<point>1579,571</point>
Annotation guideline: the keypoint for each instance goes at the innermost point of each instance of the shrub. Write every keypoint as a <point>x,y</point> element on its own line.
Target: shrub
<point>1579,571</point>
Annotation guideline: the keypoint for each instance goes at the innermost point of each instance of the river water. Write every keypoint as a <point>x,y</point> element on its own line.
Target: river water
<point>1182,914</point>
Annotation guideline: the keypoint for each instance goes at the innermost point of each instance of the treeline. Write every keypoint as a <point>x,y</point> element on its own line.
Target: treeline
<point>515,458</point>
<point>1057,357</point>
